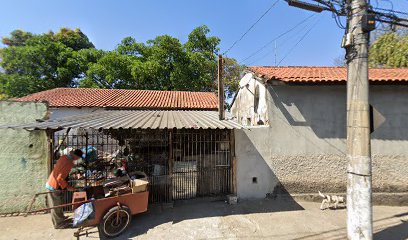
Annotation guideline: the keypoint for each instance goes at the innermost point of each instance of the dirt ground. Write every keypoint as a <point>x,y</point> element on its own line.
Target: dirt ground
<point>210,219</point>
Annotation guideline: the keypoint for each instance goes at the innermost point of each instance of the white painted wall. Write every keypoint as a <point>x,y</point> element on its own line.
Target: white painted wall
<point>62,112</point>
<point>56,113</point>
<point>243,108</point>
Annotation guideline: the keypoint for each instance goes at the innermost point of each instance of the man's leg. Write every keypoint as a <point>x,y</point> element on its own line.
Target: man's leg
<point>57,214</point>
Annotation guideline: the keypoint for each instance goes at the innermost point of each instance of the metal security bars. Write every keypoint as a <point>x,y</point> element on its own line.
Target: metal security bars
<point>180,164</point>
<point>201,164</point>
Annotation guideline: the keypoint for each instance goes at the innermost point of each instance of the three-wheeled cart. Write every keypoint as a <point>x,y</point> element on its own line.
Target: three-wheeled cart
<point>112,215</point>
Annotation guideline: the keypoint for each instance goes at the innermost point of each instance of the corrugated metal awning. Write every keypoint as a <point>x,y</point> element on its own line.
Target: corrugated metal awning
<point>136,120</point>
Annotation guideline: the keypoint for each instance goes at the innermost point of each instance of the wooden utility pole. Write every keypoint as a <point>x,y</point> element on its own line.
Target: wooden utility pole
<point>359,208</point>
<point>220,89</point>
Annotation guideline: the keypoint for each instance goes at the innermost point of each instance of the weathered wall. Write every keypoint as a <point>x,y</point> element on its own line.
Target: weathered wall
<point>304,147</point>
<point>23,156</point>
<point>244,109</point>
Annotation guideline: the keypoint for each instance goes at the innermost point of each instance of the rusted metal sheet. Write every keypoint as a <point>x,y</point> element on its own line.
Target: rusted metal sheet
<point>120,119</point>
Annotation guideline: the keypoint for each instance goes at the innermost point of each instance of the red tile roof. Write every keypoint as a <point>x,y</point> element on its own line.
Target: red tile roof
<point>326,74</point>
<point>125,99</point>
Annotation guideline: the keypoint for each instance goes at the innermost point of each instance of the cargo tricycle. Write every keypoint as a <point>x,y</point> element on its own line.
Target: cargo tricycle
<point>112,215</point>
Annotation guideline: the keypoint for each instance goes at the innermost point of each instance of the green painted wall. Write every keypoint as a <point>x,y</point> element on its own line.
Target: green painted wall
<point>23,156</point>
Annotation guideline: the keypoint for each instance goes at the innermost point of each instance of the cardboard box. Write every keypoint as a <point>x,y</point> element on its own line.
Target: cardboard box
<point>138,185</point>
<point>138,175</point>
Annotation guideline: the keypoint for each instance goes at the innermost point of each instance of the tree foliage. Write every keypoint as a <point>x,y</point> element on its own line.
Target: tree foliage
<point>162,63</point>
<point>33,63</point>
<point>232,76</point>
<point>389,50</point>
<point>17,38</point>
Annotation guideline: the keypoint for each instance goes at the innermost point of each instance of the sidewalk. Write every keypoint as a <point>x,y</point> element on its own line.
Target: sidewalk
<point>203,219</point>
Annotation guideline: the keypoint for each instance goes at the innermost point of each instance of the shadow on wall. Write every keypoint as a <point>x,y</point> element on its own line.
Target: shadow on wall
<point>255,178</point>
<point>323,109</point>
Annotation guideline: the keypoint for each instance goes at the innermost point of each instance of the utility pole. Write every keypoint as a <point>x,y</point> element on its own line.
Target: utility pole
<point>359,195</point>
<point>220,89</point>
<point>361,20</point>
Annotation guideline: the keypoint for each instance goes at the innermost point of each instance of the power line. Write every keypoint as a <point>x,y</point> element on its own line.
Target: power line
<point>300,40</point>
<point>276,38</point>
<point>249,29</point>
<point>389,10</point>
<point>284,41</point>
<point>387,16</point>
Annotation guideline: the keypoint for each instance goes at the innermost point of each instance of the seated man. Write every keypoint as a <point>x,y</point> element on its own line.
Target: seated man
<point>57,182</point>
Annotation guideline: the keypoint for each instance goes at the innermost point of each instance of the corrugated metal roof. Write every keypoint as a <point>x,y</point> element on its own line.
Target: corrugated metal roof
<point>137,120</point>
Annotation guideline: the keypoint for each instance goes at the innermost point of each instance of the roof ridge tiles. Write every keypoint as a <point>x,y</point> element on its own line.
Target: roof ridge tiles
<point>325,67</point>
<point>325,74</point>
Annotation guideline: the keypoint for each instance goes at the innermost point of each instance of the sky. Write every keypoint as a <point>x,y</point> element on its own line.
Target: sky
<point>314,43</point>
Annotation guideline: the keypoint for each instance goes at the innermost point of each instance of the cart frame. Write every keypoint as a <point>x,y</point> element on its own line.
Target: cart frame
<point>130,204</point>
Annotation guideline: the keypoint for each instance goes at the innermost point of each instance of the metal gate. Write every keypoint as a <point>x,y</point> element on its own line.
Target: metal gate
<point>201,164</point>
<point>180,164</point>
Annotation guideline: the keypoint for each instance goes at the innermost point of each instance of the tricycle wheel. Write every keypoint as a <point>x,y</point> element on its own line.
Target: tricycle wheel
<point>115,222</point>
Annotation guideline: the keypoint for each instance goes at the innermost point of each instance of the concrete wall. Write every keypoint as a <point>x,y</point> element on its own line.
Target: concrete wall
<point>303,149</point>
<point>62,112</point>
<point>23,156</point>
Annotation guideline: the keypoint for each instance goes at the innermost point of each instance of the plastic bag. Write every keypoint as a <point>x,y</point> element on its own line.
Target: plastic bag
<point>82,213</point>
<point>90,154</point>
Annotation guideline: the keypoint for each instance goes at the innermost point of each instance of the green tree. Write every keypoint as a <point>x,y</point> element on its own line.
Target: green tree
<point>232,75</point>
<point>389,50</point>
<point>33,63</point>
<point>112,70</point>
<point>202,59</point>
<point>162,63</point>
<point>17,38</point>
<point>74,39</point>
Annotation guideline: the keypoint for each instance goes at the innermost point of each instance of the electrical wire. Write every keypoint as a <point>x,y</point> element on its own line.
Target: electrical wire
<point>389,10</point>
<point>276,38</point>
<point>338,21</point>
<point>252,26</point>
<point>300,40</point>
<point>283,42</point>
<point>382,15</point>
